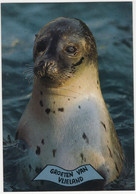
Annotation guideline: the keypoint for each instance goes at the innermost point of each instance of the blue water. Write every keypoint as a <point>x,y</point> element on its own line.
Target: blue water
<point>111,25</point>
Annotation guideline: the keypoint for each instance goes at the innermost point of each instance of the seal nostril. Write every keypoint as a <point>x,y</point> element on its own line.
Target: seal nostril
<point>41,63</point>
<point>39,67</point>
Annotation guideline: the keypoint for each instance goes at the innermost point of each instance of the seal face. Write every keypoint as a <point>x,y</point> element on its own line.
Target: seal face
<point>66,122</point>
<point>60,49</point>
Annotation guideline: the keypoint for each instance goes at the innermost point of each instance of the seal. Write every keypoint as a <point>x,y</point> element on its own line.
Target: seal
<point>66,122</point>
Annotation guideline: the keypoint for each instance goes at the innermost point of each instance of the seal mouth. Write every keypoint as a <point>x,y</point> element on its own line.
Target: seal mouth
<point>46,69</point>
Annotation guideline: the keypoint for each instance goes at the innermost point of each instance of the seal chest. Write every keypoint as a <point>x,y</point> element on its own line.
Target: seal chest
<point>66,122</point>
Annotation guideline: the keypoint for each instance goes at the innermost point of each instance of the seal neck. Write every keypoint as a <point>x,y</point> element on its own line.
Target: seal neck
<point>84,84</point>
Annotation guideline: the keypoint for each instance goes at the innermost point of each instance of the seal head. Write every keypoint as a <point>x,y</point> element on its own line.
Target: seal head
<point>60,49</point>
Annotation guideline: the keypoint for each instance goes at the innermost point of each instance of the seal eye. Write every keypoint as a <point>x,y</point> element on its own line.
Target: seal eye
<point>41,46</point>
<point>71,50</point>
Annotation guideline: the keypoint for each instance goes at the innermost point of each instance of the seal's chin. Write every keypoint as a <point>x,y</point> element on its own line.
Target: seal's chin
<point>49,74</point>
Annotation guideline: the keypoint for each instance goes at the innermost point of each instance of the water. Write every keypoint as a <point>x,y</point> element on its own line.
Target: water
<point>111,24</point>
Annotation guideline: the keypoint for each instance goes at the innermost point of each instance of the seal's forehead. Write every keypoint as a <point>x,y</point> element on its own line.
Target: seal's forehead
<point>61,26</point>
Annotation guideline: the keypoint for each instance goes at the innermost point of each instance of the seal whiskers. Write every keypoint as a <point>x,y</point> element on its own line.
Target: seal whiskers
<point>28,73</point>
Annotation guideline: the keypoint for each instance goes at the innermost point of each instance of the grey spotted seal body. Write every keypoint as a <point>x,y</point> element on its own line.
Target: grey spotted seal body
<point>66,122</point>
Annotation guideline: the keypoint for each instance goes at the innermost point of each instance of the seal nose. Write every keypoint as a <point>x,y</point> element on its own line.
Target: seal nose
<point>41,64</point>
<point>45,68</point>
<point>39,67</point>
